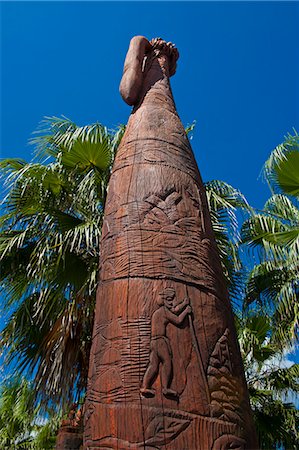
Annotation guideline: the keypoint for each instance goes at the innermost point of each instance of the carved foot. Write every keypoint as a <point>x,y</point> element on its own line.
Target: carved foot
<point>169,393</point>
<point>147,392</point>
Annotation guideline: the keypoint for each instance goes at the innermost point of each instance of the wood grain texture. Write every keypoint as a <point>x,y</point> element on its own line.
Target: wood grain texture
<point>165,368</point>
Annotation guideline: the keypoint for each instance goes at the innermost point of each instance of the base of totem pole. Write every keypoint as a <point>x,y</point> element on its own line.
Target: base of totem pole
<point>168,429</point>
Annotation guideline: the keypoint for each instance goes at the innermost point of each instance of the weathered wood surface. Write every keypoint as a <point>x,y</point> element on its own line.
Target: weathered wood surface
<point>165,368</point>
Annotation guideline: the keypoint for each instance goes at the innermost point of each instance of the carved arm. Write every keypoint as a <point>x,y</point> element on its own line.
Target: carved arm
<point>179,308</point>
<point>132,79</point>
<point>177,320</point>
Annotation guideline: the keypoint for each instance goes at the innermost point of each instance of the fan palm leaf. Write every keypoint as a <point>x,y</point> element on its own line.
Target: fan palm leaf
<point>281,168</point>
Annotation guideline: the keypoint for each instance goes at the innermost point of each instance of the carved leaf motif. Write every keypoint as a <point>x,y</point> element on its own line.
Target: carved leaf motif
<point>229,442</point>
<point>109,381</point>
<point>223,385</point>
<point>113,443</point>
<point>112,330</point>
<point>163,429</point>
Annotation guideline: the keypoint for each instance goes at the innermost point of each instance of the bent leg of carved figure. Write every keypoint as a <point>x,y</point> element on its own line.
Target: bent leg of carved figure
<point>151,373</point>
<point>165,354</point>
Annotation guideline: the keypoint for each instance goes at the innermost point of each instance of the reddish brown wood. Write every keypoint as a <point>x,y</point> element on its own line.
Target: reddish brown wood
<point>70,434</point>
<point>165,368</point>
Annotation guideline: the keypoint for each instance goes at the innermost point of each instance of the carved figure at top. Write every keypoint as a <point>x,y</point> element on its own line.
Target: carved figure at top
<point>142,54</point>
<point>161,354</point>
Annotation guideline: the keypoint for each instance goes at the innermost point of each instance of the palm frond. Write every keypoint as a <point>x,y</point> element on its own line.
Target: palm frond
<point>280,168</point>
<point>190,128</point>
<point>285,379</point>
<point>49,243</point>
<point>277,424</point>
<point>225,203</point>
<point>281,207</point>
<point>12,164</point>
<point>46,139</point>
<point>87,150</point>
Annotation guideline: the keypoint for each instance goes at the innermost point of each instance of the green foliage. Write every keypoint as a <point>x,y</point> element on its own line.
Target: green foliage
<point>253,333</point>
<point>45,436</point>
<point>16,413</point>
<point>276,423</point>
<point>269,321</point>
<point>287,174</point>
<point>282,167</point>
<point>190,128</point>
<point>276,419</point>
<point>225,203</point>
<point>49,242</point>
<point>274,234</point>
<point>20,421</point>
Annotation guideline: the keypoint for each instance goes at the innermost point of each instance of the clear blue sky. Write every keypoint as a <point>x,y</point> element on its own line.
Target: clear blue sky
<point>237,74</point>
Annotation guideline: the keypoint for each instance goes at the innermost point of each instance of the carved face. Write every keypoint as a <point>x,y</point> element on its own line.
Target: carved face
<point>169,301</point>
<point>167,298</point>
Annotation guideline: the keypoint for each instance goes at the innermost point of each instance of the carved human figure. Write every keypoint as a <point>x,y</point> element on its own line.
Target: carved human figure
<point>160,349</point>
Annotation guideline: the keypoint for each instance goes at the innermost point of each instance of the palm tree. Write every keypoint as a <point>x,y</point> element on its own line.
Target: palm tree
<point>274,233</point>
<point>272,290</point>
<point>46,429</point>
<point>16,413</point>
<point>270,385</point>
<point>21,425</point>
<point>49,244</point>
<point>226,205</point>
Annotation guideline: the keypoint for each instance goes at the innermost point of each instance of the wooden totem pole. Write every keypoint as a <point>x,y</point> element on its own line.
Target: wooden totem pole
<point>165,368</point>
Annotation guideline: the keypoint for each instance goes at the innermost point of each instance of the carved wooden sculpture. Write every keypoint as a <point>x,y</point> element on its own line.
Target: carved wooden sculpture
<point>165,368</point>
<point>70,433</point>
